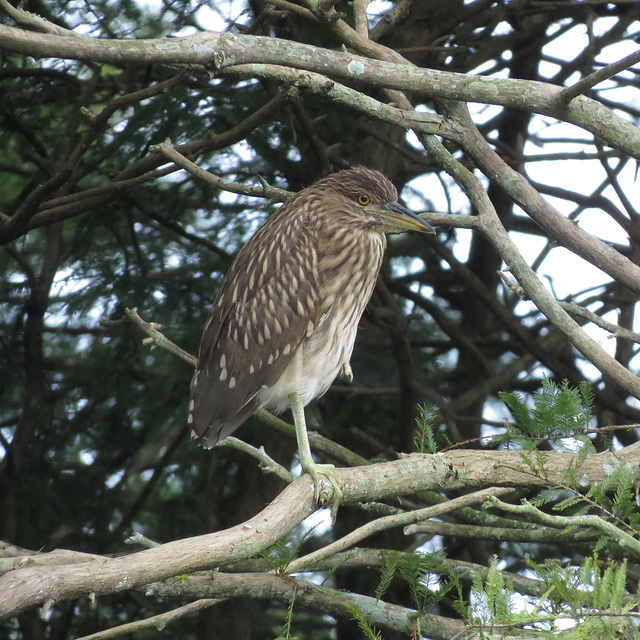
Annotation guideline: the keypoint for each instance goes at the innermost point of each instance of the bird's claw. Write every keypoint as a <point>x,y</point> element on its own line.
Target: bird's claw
<point>334,498</point>
<point>346,371</point>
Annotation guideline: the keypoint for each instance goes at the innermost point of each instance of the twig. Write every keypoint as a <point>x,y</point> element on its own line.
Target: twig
<point>263,191</point>
<point>612,175</point>
<point>156,339</point>
<point>512,285</point>
<point>178,229</point>
<point>267,463</point>
<point>158,622</point>
<point>622,538</point>
<point>137,538</point>
<point>583,85</point>
<point>387,522</point>
<point>615,330</point>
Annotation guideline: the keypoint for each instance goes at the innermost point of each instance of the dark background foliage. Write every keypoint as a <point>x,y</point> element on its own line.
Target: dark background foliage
<point>92,422</point>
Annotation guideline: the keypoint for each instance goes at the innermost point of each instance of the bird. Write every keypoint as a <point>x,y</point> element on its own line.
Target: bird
<point>283,324</point>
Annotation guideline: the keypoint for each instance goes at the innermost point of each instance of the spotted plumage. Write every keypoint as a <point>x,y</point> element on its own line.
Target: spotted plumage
<point>285,319</point>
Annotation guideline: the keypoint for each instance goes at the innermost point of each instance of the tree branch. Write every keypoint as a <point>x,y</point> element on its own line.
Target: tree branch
<point>470,470</point>
<point>154,622</point>
<point>224,50</point>
<point>624,539</point>
<point>590,81</point>
<point>388,522</point>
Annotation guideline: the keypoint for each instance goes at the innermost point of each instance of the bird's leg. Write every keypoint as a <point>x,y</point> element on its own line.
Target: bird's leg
<point>306,459</point>
<point>346,371</point>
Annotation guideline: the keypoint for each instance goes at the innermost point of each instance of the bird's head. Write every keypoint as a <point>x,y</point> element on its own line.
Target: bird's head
<point>372,198</point>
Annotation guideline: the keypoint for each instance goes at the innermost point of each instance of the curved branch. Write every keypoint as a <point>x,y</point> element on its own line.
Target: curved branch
<point>33,585</point>
<point>493,229</point>
<point>564,230</point>
<point>266,586</point>
<point>387,522</point>
<point>224,50</point>
<point>159,621</point>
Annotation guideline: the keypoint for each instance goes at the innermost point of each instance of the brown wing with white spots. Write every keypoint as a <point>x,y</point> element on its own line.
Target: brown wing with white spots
<point>266,307</point>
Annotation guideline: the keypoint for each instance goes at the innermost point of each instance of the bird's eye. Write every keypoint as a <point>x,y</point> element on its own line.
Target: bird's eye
<point>364,200</point>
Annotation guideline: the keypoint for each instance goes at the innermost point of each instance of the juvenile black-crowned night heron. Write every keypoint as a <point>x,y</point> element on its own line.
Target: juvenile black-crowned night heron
<point>285,319</point>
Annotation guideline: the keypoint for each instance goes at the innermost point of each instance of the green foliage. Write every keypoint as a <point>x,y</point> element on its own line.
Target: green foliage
<point>460,604</point>
<point>491,598</point>
<point>281,554</point>
<point>387,572</point>
<point>592,598</point>
<point>417,570</point>
<point>613,499</point>
<point>286,629</point>
<point>620,480</point>
<point>369,631</point>
<point>559,411</point>
<point>425,440</point>
<point>573,594</point>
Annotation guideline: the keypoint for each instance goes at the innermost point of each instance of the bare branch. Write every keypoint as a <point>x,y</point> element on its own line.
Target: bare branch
<point>267,464</point>
<point>263,191</point>
<point>607,528</point>
<point>360,17</point>
<point>388,522</point>
<point>158,339</point>
<point>615,330</point>
<point>154,622</point>
<point>583,85</point>
<point>224,50</point>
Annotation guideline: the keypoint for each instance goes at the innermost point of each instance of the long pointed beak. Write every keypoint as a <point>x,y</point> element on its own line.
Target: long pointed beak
<point>398,217</point>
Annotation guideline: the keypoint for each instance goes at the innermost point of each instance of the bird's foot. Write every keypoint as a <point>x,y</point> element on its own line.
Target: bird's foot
<point>334,498</point>
<point>346,372</point>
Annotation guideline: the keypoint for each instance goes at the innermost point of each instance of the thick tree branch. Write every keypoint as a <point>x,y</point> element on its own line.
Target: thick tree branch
<point>224,50</point>
<point>469,470</point>
<point>522,192</point>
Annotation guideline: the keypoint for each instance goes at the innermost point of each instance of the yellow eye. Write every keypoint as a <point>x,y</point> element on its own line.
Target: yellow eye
<point>364,200</point>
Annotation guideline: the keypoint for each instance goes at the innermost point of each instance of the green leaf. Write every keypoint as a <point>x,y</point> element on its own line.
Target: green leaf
<point>425,440</point>
<point>370,632</point>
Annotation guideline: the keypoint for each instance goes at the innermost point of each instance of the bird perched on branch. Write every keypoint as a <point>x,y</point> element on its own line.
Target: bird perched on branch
<point>284,323</point>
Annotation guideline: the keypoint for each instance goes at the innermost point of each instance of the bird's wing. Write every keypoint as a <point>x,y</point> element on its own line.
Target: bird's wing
<point>268,304</point>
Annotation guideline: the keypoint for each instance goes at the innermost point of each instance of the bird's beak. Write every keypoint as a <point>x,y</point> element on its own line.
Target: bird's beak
<point>399,218</point>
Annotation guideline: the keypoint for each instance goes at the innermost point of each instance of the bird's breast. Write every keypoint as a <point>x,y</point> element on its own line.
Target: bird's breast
<point>347,281</point>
